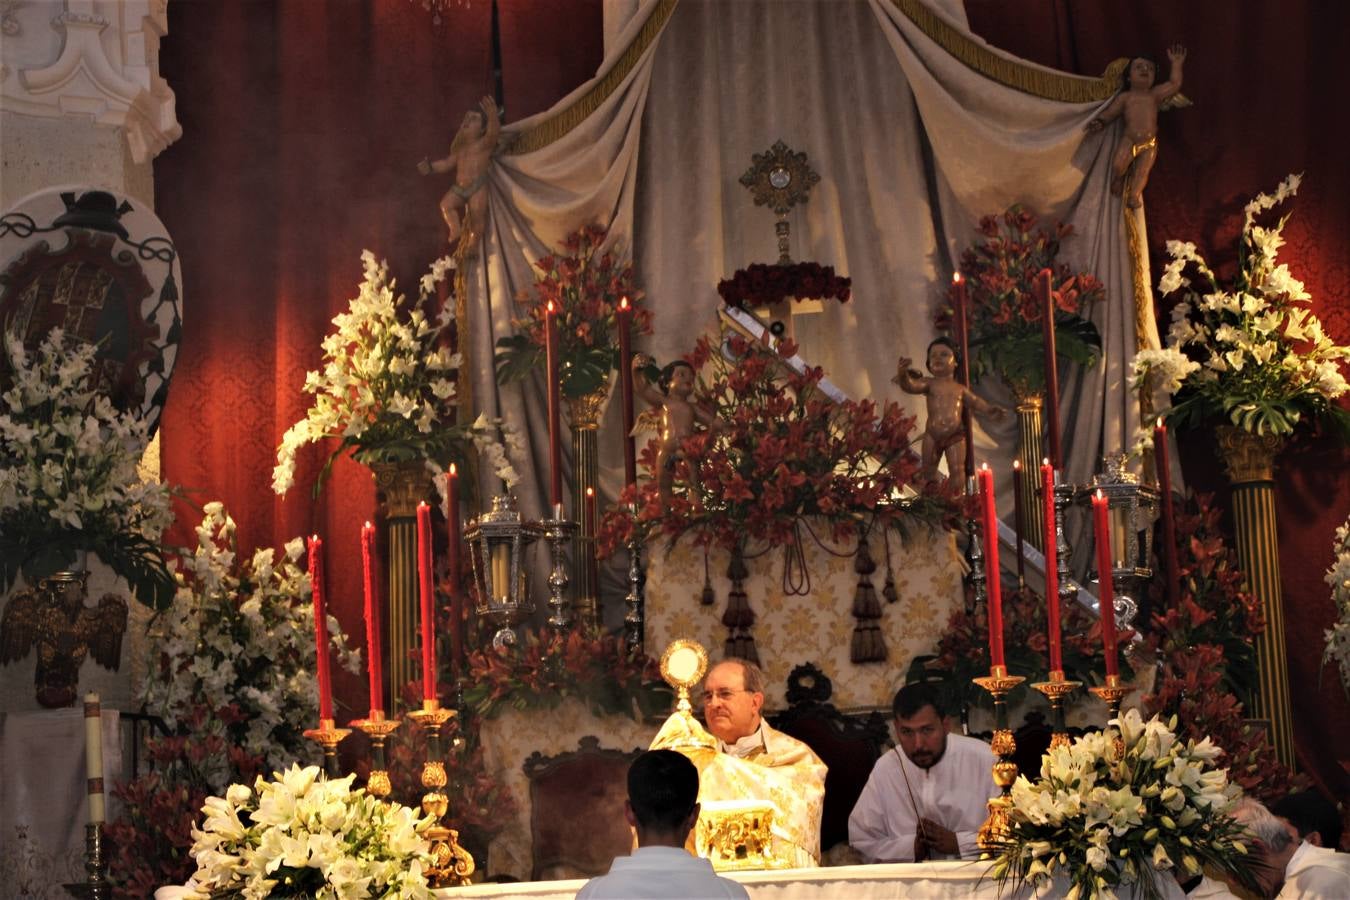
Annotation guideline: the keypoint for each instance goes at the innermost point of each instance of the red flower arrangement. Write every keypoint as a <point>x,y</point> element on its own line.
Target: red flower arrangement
<point>547,667</point>
<point>764,284</point>
<point>585,286</point>
<point>1003,314</point>
<point>153,834</point>
<point>963,650</point>
<point>784,450</point>
<point>1206,658</point>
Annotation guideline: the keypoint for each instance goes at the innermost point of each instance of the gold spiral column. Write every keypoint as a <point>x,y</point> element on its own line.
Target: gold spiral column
<point>584,416</point>
<point>1030,452</point>
<point>1250,461</point>
<point>400,487</point>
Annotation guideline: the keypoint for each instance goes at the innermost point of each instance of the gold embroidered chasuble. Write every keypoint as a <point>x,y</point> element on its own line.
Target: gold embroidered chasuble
<point>784,773</point>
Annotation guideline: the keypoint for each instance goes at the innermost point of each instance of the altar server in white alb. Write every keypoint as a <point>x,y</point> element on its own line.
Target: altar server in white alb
<point>926,798</point>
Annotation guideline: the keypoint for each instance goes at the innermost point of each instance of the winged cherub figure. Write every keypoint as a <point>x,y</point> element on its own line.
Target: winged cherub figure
<point>55,620</point>
<point>1139,103</point>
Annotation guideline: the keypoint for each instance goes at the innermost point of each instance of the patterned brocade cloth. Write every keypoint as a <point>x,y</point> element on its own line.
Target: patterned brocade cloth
<point>785,773</point>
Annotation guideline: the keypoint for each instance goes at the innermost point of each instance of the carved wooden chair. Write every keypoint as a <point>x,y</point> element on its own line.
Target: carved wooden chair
<point>576,810</point>
<point>849,744</point>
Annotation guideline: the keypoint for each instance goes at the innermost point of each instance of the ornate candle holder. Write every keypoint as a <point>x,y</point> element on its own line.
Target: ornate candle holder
<point>1064,494</point>
<point>975,557</point>
<point>1055,690</point>
<point>635,620</point>
<point>328,736</point>
<point>994,832</point>
<point>95,864</point>
<point>378,729</point>
<point>451,865</point>
<point>1112,693</point>
<point>559,533</point>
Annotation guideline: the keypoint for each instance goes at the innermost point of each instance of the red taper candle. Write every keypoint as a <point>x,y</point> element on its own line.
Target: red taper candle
<point>1169,522</point>
<point>427,594</point>
<point>320,629</point>
<point>374,660</point>
<point>452,562</point>
<point>1101,520</point>
<point>1047,304</point>
<point>554,404</point>
<point>625,320</point>
<point>989,529</point>
<point>1051,566</point>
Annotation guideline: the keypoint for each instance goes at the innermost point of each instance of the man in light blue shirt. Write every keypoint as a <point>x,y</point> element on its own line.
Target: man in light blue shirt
<point>662,806</point>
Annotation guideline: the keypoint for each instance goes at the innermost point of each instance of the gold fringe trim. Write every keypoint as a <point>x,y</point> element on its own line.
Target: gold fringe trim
<point>545,133</point>
<point>1038,82</point>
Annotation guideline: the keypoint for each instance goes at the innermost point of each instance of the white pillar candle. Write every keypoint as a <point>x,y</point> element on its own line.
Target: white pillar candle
<point>93,756</point>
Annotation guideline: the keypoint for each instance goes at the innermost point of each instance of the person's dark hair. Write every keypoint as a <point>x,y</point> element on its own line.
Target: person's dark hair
<point>662,788</point>
<point>942,341</point>
<point>913,697</point>
<point>753,675</point>
<point>1125,76</point>
<point>1310,811</point>
<point>663,382</point>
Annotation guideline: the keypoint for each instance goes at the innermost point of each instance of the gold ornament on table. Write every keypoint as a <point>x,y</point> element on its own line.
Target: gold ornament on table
<point>452,866</point>
<point>737,835</point>
<point>995,830</point>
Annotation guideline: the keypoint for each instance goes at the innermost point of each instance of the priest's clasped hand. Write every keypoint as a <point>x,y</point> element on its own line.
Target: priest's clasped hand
<point>935,839</point>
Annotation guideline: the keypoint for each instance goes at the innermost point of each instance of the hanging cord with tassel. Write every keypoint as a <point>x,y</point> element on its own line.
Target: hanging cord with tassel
<point>867,644</point>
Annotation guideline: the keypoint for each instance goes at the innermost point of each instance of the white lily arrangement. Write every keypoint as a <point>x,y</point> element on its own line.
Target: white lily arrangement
<point>1251,353</point>
<point>308,837</point>
<point>1338,635</point>
<point>1105,814</point>
<point>241,633</point>
<point>386,391</point>
<point>68,478</point>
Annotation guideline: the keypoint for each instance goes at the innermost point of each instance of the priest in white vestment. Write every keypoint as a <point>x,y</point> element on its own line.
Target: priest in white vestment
<point>928,796</point>
<point>744,758</point>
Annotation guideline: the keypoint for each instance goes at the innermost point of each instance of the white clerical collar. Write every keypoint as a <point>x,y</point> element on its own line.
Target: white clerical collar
<point>744,747</point>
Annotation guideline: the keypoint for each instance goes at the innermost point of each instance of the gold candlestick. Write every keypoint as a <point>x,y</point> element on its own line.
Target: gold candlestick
<point>1112,693</point>
<point>994,832</point>
<point>451,864</point>
<point>378,729</point>
<point>328,736</point>
<point>1055,690</point>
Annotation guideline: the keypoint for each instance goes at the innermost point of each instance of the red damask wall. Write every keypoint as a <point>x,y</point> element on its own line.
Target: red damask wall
<point>1270,91</point>
<point>303,123</point>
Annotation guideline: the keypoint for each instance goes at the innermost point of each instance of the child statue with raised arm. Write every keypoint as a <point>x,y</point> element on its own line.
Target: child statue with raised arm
<point>1139,103</point>
<point>470,153</point>
<point>943,433</point>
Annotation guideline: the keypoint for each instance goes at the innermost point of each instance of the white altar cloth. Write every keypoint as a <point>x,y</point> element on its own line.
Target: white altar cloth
<point>893,881</point>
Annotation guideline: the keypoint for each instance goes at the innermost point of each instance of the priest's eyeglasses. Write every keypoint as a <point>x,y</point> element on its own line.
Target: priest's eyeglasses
<point>725,695</point>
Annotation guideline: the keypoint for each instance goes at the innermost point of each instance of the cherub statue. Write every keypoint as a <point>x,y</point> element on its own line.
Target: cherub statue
<point>943,434</point>
<point>679,416</point>
<point>1139,102</point>
<point>469,155</point>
